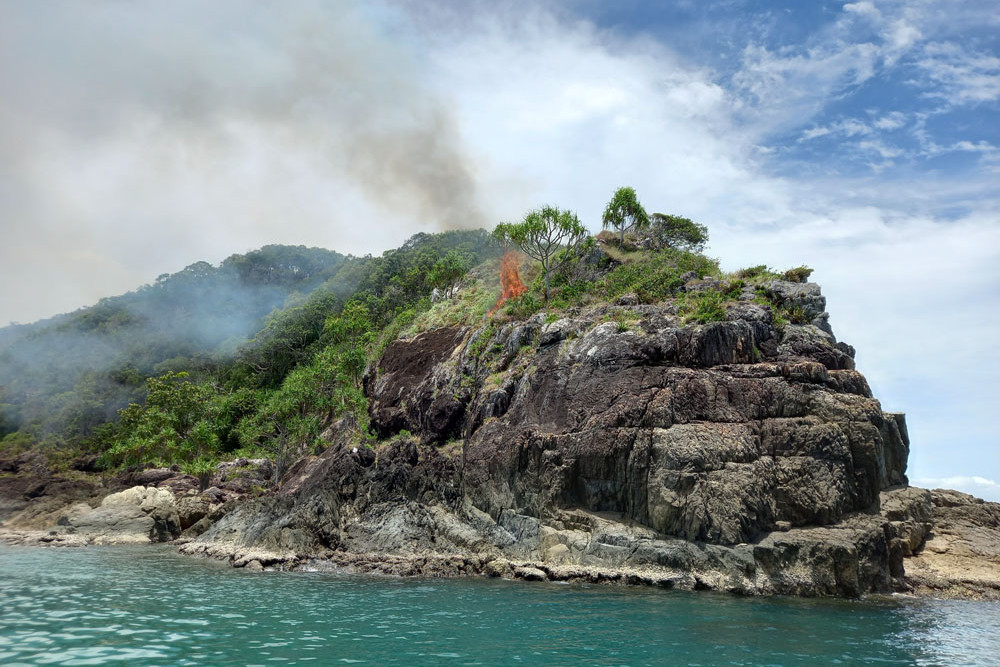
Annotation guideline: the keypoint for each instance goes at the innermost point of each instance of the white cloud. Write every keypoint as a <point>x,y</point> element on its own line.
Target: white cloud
<point>891,121</point>
<point>880,149</point>
<point>815,133</point>
<point>536,109</point>
<point>790,88</point>
<point>855,127</point>
<point>959,76</point>
<point>865,8</point>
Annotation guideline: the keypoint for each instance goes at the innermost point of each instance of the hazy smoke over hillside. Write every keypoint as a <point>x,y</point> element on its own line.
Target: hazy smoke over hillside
<point>209,128</point>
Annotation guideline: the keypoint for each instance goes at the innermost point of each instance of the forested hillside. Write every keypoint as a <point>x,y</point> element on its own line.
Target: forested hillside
<point>264,354</point>
<point>245,323</point>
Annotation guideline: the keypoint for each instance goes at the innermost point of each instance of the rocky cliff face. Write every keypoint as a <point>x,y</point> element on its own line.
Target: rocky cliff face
<point>615,443</point>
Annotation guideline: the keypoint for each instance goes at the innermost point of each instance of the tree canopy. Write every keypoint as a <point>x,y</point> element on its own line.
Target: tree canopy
<point>624,212</point>
<point>549,235</point>
<point>447,271</point>
<point>674,231</point>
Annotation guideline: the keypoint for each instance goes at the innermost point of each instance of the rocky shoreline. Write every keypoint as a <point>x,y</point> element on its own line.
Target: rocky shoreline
<point>954,547</point>
<point>616,444</point>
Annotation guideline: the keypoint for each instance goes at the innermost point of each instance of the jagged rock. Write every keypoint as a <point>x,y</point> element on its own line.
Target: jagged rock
<point>153,476</point>
<point>803,296</point>
<point>613,444</point>
<point>180,484</point>
<point>529,573</point>
<point>810,342</point>
<point>702,285</point>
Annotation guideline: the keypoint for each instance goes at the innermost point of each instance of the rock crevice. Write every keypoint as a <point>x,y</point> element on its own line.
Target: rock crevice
<point>614,443</point>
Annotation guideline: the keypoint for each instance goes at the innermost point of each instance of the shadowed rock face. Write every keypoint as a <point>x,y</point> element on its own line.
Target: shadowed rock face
<point>614,442</point>
<point>712,433</point>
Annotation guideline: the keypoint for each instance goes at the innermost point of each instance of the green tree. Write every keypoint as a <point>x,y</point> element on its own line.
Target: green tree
<point>624,212</point>
<point>549,235</point>
<point>349,335</point>
<point>175,425</point>
<point>447,271</point>
<point>674,231</point>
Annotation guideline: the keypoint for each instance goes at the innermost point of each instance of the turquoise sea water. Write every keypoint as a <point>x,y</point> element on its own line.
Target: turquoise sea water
<point>150,606</point>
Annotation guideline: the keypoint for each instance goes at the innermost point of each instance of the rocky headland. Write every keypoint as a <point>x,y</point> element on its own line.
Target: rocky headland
<point>615,443</point>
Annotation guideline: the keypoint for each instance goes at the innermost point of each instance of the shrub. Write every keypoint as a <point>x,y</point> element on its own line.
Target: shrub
<point>623,319</point>
<point>734,288</point>
<point>658,277</point>
<point>675,231</point>
<point>704,307</point>
<point>523,307</point>
<point>799,274</point>
<point>796,315</point>
<point>572,294</point>
<point>752,271</point>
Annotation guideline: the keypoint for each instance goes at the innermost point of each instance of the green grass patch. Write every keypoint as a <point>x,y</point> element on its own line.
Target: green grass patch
<point>703,307</point>
<point>468,307</point>
<point>657,277</point>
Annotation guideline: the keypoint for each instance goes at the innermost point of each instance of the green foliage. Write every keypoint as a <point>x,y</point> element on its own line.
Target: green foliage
<point>624,212</point>
<point>448,270</point>
<point>176,424</point>
<point>10,417</point>
<point>481,341</point>
<point>796,315</point>
<point>468,308</point>
<point>572,294</point>
<point>674,231</point>
<point>14,443</point>
<point>623,319</point>
<point>66,377</point>
<point>799,274</point>
<point>202,469</point>
<point>523,307</point>
<point>657,276</point>
<point>756,273</point>
<point>734,288</point>
<point>286,341</point>
<point>704,306</point>
<point>289,419</point>
<point>549,235</point>
<point>350,336</point>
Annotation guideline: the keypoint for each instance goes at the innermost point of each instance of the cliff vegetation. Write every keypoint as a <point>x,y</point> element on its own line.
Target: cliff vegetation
<point>535,403</point>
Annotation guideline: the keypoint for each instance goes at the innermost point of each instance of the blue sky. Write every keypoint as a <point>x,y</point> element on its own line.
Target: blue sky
<point>858,138</point>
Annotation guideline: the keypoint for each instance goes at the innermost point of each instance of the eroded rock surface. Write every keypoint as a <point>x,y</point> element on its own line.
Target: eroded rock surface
<point>134,507</point>
<point>961,556</point>
<point>614,444</point>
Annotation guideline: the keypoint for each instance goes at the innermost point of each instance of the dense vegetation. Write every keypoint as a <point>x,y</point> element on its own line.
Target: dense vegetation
<point>235,331</point>
<point>263,354</point>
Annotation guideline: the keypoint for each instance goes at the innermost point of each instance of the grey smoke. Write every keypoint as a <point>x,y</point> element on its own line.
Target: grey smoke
<point>210,128</point>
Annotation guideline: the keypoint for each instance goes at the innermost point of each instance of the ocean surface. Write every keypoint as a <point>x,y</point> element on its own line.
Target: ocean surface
<point>151,606</point>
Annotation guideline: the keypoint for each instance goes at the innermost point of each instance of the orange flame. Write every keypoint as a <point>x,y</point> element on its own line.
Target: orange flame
<point>510,281</point>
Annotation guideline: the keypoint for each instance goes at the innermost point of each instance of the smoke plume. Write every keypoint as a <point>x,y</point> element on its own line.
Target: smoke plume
<point>136,136</point>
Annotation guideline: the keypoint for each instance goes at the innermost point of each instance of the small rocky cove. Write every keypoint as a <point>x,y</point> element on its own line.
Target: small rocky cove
<point>613,444</point>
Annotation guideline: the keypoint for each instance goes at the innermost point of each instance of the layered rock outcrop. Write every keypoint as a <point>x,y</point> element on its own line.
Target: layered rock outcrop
<point>614,443</point>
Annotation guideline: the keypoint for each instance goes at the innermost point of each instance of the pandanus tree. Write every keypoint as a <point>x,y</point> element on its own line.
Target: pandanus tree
<point>624,212</point>
<point>549,235</point>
